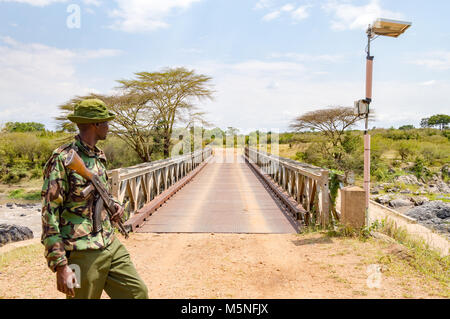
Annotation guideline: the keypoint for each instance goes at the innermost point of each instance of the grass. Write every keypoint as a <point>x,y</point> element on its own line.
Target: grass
<point>421,257</point>
<point>413,257</point>
<point>22,194</point>
<point>443,197</point>
<point>22,255</point>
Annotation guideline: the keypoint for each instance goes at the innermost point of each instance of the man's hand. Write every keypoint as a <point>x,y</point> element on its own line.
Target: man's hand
<point>65,280</point>
<point>118,214</point>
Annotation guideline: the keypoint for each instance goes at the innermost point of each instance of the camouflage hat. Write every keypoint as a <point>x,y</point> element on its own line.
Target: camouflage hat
<point>91,111</point>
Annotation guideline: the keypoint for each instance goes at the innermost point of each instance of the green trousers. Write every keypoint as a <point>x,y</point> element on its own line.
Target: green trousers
<point>108,269</point>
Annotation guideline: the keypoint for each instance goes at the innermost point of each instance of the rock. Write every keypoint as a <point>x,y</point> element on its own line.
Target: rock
<point>405,191</point>
<point>444,213</point>
<point>400,202</point>
<point>38,209</point>
<point>443,187</point>
<point>382,237</point>
<point>401,252</point>
<point>420,200</point>
<point>22,215</point>
<point>407,179</point>
<point>9,205</point>
<point>435,214</point>
<point>384,199</point>
<point>12,233</point>
<point>421,191</point>
<point>433,189</point>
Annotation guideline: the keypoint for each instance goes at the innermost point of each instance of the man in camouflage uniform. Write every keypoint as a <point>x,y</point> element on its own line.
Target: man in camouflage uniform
<point>67,225</point>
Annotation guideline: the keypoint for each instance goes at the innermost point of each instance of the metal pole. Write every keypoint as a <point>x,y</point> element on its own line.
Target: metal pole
<point>369,76</point>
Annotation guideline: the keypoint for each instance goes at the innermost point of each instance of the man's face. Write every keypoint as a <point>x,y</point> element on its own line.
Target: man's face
<point>102,130</point>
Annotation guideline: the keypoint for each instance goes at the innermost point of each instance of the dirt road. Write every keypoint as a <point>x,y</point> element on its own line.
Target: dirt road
<point>238,266</point>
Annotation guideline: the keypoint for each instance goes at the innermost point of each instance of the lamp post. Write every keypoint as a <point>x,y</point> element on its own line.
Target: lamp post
<point>385,27</point>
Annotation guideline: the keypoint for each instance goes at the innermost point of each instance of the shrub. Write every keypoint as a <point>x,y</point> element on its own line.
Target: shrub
<point>406,149</point>
<point>419,168</point>
<point>381,173</point>
<point>118,153</point>
<point>300,156</point>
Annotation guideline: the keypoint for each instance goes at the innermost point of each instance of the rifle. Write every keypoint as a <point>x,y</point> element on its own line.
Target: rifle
<point>104,199</point>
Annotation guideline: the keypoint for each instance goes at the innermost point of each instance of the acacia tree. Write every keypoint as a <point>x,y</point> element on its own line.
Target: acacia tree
<point>134,123</point>
<point>170,94</point>
<point>332,123</point>
<point>424,122</point>
<point>439,120</point>
<point>148,106</point>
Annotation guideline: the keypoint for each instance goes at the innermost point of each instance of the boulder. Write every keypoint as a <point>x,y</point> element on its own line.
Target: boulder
<point>433,189</point>
<point>400,202</point>
<point>12,233</point>
<point>435,214</point>
<point>443,187</point>
<point>407,179</point>
<point>384,199</point>
<point>419,200</point>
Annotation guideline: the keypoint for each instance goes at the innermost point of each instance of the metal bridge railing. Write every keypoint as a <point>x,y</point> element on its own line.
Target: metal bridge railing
<point>308,185</point>
<point>141,183</point>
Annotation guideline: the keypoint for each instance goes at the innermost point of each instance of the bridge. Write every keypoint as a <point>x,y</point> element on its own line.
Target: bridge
<point>224,190</point>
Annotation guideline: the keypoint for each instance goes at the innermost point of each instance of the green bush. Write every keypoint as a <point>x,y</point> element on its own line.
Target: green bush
<point>419,169</point>
<point>406,149</point>
<point>300,156</point>
<point>23,127</point>
<point>381,173</point>
<point>118,153</point>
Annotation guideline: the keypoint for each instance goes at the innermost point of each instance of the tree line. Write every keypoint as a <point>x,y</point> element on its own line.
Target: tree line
<point>148,106</point>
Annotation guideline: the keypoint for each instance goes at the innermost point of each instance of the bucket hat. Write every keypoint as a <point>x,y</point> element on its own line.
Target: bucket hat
<point>91,111</point>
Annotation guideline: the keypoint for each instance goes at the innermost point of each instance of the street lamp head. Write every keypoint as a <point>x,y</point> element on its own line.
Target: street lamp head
<point>390,28</point>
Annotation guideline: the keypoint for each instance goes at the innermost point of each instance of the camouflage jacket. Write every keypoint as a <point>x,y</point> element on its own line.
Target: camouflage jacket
<point>66,216</point>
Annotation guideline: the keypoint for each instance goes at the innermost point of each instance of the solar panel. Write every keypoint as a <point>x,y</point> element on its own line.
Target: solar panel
<point>390,28</point>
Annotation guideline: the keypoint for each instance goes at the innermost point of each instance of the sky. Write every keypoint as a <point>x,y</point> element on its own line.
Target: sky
<point>270,60</point>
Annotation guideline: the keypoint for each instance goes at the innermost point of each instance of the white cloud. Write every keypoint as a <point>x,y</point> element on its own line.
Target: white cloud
<point>287,7</point>
<point>348,16</point>
<point>36,3</point>
<point>439,60</point>
<point>35,78</point>
<point>300,13</point>
<point>271,16</point>
<point>43,3</point>
<point>276,11</point>
<point>427,83</point>
<point>96,3</point>
<point>144,15</point>
<point>262,4</point>
<point>260,94</point>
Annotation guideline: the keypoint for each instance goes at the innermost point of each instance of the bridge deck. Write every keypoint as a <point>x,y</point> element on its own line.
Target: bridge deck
<point>225,197</point>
